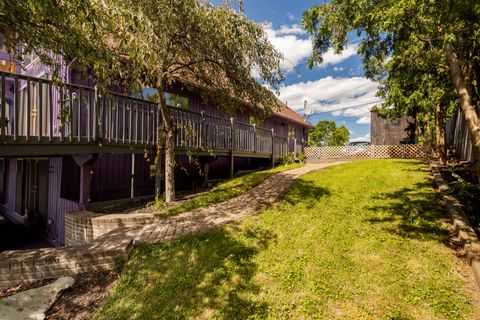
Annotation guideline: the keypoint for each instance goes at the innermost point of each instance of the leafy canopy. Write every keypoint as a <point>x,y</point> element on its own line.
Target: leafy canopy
<point>98,35</point>
<point>403,47</point>
<point>214,49</point>
<point>326,133</point>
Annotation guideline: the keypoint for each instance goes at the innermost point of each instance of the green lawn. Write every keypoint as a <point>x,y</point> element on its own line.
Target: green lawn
<point>356,241</point>
<point>225,190</point>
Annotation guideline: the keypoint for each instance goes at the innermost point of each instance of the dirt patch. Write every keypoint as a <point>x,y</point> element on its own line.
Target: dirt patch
<point>84,297</point>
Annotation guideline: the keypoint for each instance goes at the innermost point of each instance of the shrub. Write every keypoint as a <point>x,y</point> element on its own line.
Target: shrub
<point>286,159</point>
<point>301,157</point>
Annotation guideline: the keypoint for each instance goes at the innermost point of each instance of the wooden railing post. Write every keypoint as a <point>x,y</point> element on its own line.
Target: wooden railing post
<point>232,147</point>
<point>203,132</point>
<point>95,114</point>
<point>16,107</point>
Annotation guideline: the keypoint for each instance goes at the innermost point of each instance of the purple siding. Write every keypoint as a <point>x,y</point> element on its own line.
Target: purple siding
<point>197,105</point>
<point>112,177</point>
<point>56,205</point>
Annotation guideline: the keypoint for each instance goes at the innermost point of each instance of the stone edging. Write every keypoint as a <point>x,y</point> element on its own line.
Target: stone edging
<point>463,231</point>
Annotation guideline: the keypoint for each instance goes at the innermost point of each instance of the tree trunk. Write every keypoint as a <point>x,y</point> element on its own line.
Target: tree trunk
<point>440,123</point>
<point>466,101</point>
<point>169,147</point>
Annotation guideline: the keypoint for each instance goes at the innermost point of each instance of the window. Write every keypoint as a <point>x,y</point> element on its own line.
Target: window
<point>70,187</point>
<point>20,187</point>
<point>3,180</point>
<point>177,101</point>
<point>29,58</point>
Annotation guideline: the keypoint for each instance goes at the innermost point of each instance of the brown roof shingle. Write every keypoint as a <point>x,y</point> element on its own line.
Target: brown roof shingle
<point>287,113</point>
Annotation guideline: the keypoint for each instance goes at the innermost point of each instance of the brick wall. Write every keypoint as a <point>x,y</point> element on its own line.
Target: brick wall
<point>105,253</point>
<point>83,227</point>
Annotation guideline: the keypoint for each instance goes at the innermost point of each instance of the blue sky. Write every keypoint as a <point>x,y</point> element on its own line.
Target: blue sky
<point>336,90</point>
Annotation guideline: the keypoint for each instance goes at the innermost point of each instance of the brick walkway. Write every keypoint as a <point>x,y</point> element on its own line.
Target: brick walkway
<point>251,202</point>
<point>107,251</point>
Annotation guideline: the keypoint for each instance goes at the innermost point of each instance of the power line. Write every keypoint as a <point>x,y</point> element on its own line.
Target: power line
<point>344,108</point>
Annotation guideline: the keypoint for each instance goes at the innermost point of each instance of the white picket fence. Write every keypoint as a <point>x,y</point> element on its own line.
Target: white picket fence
<point>405,151</point>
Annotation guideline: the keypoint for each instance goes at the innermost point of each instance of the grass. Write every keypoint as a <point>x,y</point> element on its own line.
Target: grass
<point>357,241</point>
<point>225,190</point>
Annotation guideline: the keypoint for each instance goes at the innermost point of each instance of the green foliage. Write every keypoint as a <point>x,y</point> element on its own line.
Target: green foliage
<point>403,47</point>
<point>468,194</point>
<point>358,241</point>
<point>301,157</point>
<point>96,34</point>
<point>158,43</point>
<point>287,159</point>
<point>326,133</point>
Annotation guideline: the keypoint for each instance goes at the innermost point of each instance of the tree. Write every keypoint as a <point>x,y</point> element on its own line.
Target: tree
<point>213,50</point>
<point>415,87</point>
<point>99,37</point>
<point>450,29</point>
<point>158,44</point>
<point>326,133</point>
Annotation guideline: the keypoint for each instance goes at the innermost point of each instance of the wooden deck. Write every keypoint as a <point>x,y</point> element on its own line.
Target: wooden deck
<point>40,118</point>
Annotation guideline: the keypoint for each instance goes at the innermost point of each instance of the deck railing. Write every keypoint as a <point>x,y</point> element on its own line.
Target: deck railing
<point>34,110</point>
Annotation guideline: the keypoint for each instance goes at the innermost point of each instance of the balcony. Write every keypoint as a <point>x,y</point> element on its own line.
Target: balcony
<point>41,118</point>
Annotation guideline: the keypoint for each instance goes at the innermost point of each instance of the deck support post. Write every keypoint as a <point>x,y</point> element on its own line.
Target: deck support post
<point>232,148</point>
<point>206,170</point>
<point>132,178</point>
<point>86,171</point>
<point>273,147</point>
<point>295,148</point>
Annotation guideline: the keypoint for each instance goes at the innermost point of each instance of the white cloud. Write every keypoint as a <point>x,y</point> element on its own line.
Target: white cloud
<point>350,97</point>
<point>337,69</point>
<point>291,17</point>
<point>364,120</point>
<point>291,40</point>
<point>294,48</point>
<point>292,29</point>
<point>330,58</point>
<point>364,138</point>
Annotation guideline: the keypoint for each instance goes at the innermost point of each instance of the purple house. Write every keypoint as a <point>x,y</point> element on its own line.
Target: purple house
<point>67,148</point>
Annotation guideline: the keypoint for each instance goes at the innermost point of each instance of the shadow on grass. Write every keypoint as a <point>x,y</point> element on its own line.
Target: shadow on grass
<point>222,192</point>
<point>415,208</point>
<point>305,192</point>
<point>202,276</point>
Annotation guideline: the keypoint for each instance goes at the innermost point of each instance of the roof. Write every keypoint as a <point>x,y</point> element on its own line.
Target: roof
<point>289,114</point>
